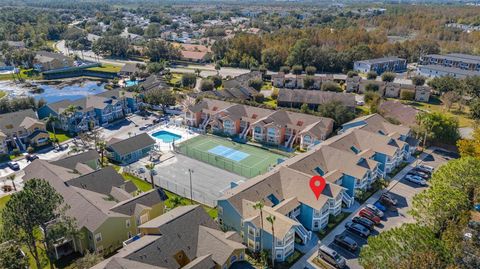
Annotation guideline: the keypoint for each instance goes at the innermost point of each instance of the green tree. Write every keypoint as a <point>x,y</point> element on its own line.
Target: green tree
<point>438,127</point>
<point>418,80</point>
<point>158,50</point>
<point>297,69</point>
<point>352,74</point>
<point>206,85</point>
<point>402,247</point>
<point>445,84</point>
<point>372,75</point>
<point>256,83</point>
<point>259,206</point>
<point>89,260</point>
<point>151,168</point>
<point>30,209</point>
<point>310,70</point>
<point>217,81</point>
<point>297,55</point>
<point>285,69</point>
<point>472,84</point>
<point>161,97</point>
<point>52,120</point>
<point>371,87</point>
<point>271,220</point>
<point>304,108</point>
<point>336,111</point>
<point>372,99</point>
<point>449,195</point>
<point>407,95</point>
<point>175,201</point>
<point>388,76</point>
<point>101,147</point>
<point>470,147</point>
<point>189,80</point>
<point>475,109</point>
<point>331,86</point>
<point>11,256</point>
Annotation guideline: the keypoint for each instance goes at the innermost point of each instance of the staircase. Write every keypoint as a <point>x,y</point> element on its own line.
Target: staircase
<point>204,123</point>
<point>290,141</point>
<point>19,143</point>
<point>305,234</point>
<point>244,133</point>
<point>347,199</point>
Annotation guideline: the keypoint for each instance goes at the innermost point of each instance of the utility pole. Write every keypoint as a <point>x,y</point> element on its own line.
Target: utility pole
<point>190,171</point>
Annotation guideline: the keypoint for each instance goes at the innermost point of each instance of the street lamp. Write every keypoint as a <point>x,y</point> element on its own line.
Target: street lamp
<point>190,171</point>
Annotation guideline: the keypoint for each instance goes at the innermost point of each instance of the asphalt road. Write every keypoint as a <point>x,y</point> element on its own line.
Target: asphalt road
<point>206,70</point>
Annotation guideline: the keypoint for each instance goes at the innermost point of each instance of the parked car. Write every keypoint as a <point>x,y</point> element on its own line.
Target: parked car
<point>417,180</point>
<point>380,206</point>
<point>375,210</point>
<point>365,222</point>
<point>424,168</point>
<point>331,256</point>
<point>346,242</point>
<point>369,215</point>
<point>141,170</point>
<point>14,166</point>
<point>31,158</point>
<point>357,229</point>
<point>387,199</point>
<point>419,174</point>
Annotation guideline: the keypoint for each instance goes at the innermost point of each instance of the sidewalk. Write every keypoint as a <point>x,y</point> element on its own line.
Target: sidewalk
<point>307,259</point>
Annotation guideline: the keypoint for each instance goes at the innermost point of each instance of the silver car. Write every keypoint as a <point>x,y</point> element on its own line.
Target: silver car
<point>331,256</point>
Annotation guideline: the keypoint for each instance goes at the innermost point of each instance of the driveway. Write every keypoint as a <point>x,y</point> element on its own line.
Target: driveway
<point>401,190</point>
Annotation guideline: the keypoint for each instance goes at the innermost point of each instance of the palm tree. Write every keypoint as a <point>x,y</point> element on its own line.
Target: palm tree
<point>259,206</point>
<point>197,72</point>
<point>101,146</point>
<point>52,120</point>
<point>176,201</point>
<point>124,105</point>
<point>271,219</point>
<point>151,167</point>
<point>12,178</point>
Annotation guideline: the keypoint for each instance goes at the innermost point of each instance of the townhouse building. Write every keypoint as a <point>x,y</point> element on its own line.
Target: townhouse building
<point>46,61</point>
<point>454,64</point>
<point>107,210</point>
<point>291,81</point>
<point>185,237</point>
<point>314,99</point>
<point>365,150</point>
<point>94,110</point>
<point>281,128</point>
<point>21,129</point>
<point>381,65</point>
<point>389,89</point>
<point>286,195</point>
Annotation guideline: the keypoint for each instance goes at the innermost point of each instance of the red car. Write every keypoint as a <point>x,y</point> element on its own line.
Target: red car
<point>369,215</point>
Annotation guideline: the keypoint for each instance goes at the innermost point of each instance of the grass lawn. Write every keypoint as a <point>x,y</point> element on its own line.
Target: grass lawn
<point>2,94</point>
<point>3,202</point>
<point>145,186</point>
<point>270,102</point>
<point>435,105</point>
<point>60,136</point>
<point>108,68</point>
<point>24,74</point>
<point>176,78</point>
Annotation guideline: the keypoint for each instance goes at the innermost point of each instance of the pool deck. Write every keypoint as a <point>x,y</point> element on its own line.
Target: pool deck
<point>183,132</point>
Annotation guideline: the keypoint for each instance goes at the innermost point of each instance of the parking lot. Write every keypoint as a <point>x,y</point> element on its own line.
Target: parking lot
<point>401,190</point>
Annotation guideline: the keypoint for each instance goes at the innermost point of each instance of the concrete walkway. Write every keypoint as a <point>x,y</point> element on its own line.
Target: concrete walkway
<point>306,260</point>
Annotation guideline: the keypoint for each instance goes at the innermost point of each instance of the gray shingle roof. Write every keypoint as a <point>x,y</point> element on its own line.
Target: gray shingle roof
<point>132,144</point>
<point>315,97</point>
<point>72,161</point>
<point>100,181</point>
<point>12,122</point>
<point>147,199</point>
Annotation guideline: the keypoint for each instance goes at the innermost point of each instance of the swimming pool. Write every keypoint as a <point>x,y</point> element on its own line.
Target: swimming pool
<point>130,83</point>
<point>166,136</point>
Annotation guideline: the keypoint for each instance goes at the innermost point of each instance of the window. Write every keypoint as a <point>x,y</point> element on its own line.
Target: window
<point>98,237</point>
<point>258,129</point>
<point>354,149</point>
<point>127,223</point>
<point>143,218</point>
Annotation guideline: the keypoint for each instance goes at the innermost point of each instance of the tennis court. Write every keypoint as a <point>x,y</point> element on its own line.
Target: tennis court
<point>242,159</point>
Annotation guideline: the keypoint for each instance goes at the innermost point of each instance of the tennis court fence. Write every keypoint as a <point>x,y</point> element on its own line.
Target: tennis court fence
<point>219,161</point>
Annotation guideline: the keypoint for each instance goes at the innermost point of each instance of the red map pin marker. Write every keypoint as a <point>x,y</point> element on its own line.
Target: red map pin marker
<point>317,184</point>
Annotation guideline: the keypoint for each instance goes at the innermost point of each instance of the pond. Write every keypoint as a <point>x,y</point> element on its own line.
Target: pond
<point>55,93</point>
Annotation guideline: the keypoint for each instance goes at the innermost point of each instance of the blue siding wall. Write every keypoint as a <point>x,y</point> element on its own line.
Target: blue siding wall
<point>382,158</point>
<point>306,216</point>
<point>349,183</point>
<point>230,217</point>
